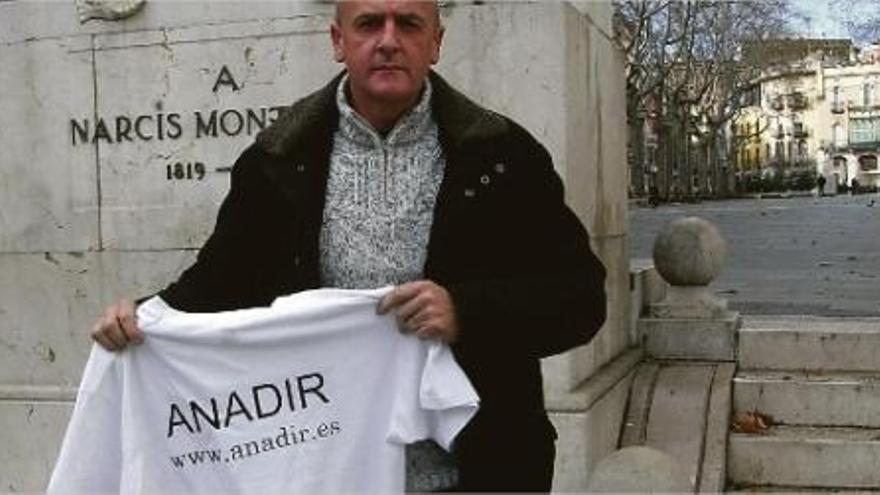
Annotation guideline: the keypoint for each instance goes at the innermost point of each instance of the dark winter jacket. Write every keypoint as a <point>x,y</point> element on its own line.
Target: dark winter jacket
<point>516,260</point>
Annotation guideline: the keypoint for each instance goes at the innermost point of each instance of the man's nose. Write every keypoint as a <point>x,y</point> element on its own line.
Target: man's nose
<point>388,40</point>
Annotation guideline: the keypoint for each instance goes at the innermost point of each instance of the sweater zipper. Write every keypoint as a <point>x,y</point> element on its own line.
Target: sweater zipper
<point>385,173</point>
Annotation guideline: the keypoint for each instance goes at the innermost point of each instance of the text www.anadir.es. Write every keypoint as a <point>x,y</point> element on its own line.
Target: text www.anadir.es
<point>285,438</point>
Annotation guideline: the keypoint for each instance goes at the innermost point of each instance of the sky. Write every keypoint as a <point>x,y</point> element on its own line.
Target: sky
<point>823,22</point>
<point>827,19</point>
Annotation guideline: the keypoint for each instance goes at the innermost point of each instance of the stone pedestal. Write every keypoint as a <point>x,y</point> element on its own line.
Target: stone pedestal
<point>680,401</point>
<point>690,322</point>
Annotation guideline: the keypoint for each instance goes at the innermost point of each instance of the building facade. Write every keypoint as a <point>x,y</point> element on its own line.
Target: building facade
<point>813,118</point>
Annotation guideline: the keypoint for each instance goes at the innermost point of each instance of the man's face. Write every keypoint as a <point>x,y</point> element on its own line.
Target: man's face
<point>388,47</point>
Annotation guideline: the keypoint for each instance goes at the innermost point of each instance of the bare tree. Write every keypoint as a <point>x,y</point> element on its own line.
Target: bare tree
<point>685,71</point>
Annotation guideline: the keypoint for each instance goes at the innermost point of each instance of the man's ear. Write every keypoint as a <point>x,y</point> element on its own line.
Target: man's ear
<point>438,42</point>
<point>338,43</point>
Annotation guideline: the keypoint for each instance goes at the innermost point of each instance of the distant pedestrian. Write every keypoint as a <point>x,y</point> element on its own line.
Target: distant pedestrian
<point>653,196</point>
<point>820,183</point>
<point>854,187</point>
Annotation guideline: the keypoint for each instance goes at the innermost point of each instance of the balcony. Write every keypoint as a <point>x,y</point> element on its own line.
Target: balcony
<point>864,145</point>
<point>863,107</point>
<point>838,107</point>
<point>800,131</point>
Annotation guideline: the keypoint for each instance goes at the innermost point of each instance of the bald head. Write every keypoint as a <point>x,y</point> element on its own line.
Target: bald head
<point>341,7</point>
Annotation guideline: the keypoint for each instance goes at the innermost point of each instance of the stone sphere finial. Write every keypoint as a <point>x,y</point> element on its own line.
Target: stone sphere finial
<point>690,252</point>
<point>639,469</point>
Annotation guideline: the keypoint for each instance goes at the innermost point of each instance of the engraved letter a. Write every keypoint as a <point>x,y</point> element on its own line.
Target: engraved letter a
<point>225,78</point>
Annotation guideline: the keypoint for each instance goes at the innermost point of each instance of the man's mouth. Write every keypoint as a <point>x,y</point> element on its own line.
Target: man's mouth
<point>388,68</point>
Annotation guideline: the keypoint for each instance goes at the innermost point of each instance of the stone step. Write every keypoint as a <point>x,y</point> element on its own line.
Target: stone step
<point>809,343</point>
<point>818,399</point>
<point>829,457</point>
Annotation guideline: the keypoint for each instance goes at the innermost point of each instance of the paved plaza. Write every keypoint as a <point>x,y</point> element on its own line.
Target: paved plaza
<point>805,255</point>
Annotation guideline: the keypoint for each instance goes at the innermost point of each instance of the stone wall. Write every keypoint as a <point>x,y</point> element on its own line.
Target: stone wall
<point>117,138</point>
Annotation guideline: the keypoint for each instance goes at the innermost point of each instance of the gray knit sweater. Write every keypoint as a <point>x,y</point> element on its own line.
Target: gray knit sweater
<point>377,220</point>
<point>380,198</point>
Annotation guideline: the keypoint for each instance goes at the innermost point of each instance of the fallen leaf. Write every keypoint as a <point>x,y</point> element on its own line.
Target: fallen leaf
<point>751,422</point>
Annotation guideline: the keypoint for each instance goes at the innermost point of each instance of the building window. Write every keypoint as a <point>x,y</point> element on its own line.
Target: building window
<point>779,153</point>
<point>867,94</point>
<point>864,130</point>
<point>836,103</point>
<point>802,150</point>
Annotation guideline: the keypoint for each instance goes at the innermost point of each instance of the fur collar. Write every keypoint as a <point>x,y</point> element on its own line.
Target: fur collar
<point>314,118</point>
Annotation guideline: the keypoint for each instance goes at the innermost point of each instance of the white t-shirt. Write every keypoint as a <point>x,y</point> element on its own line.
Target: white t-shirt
<point>316,394</point>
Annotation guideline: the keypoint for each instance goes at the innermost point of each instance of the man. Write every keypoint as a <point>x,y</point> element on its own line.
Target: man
<point>390,176</point>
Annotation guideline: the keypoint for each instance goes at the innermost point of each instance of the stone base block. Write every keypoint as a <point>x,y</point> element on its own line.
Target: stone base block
<point>679,338</point>
<point>690,302</point>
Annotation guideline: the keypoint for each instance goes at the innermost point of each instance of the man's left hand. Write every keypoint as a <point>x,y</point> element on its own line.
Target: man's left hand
<point>423,308</point>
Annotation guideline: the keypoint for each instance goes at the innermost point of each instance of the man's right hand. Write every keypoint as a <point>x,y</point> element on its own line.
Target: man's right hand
<point>117,327</point>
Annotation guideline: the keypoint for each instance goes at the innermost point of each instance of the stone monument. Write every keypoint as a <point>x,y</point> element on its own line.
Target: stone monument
<point>120,132</point>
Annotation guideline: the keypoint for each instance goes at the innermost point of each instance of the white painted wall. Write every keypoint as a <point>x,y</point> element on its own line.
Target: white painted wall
<point>82,224</point>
